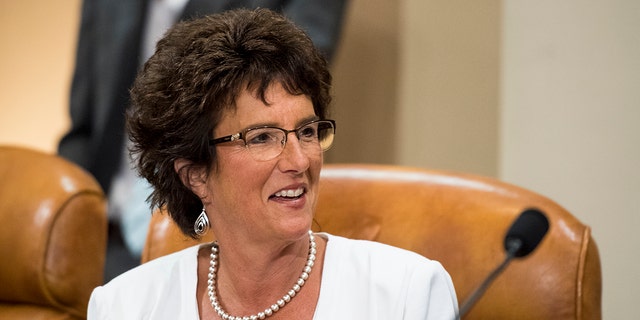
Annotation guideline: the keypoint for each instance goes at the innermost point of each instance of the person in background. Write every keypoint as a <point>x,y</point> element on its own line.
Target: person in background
<point>229,123</point>
<point>116,37</point>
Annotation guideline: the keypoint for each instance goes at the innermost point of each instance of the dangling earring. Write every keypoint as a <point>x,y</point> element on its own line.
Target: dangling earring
<point>202,223</point>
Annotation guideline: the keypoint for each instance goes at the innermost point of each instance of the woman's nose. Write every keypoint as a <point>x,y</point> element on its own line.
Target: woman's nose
<point>295,154</point>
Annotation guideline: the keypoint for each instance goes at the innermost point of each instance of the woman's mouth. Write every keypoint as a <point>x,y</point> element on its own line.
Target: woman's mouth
<point>289,193</point>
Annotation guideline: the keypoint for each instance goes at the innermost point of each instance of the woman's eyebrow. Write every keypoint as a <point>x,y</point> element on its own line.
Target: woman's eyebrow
<point>300,122</point>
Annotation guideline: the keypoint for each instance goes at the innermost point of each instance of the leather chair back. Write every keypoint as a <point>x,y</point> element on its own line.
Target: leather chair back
<point>53,236</point>
<point>459,220</point>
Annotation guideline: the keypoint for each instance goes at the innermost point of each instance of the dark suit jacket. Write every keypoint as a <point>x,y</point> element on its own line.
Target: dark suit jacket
<point>107,60</point>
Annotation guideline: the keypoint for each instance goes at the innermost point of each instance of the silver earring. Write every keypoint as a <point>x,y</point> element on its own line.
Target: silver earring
<point>202,223</point>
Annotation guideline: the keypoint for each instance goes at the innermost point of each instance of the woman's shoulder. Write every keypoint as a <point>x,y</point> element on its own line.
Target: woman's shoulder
<point>388,281</point>
<point>161,266</point>
<point>375,252</point>
<point>144,288</point>
<point>379,261</point>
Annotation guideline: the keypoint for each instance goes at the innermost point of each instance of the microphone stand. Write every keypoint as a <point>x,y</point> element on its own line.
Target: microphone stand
<point>514,246</point>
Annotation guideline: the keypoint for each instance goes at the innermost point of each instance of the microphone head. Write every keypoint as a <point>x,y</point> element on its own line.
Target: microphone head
<point>526,232</point>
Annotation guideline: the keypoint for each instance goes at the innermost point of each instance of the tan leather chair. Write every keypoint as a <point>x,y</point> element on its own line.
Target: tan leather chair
<point>53,236</point>
<point>459,220</point>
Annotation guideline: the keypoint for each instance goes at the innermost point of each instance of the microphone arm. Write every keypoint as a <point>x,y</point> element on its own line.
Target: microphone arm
<point>476,294</point>
<point>523,236</point>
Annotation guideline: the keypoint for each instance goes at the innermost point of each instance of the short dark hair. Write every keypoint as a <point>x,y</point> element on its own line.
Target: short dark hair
<point>198,70</point>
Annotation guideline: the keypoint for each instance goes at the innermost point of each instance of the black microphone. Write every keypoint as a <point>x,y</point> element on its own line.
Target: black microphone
<point>523,237</point>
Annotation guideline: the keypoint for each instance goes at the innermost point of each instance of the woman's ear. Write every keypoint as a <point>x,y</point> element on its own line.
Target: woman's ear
<point>193,177</point>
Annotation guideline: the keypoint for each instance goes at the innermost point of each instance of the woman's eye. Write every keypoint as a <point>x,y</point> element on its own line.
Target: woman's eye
<point>308,132</point>
<point>263,137</point>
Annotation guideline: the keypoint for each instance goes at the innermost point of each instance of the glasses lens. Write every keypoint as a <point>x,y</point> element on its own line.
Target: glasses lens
<point>265,143</point>
<point>326,133</point>
<point>318,134</point>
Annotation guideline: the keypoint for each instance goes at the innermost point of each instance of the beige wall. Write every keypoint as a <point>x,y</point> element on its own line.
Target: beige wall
<point>570,123</point>
<point>37,45</point>
<point>448,85</point>
<point>542,94</point>
<point>365,84</point>
<point>416,83</point>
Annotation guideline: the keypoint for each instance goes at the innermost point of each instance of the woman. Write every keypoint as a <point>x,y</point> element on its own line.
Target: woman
<point>229,123</point>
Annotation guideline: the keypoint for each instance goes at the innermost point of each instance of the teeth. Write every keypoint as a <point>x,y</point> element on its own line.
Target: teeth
<point>290,193</point>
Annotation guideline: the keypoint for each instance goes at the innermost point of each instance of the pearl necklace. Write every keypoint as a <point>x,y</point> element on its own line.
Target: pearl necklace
<point>211,288</point>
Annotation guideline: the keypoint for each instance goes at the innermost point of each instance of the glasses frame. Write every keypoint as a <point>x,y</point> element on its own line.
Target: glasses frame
<point>242,134</point>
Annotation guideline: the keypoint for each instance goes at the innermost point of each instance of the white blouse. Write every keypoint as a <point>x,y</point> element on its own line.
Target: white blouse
<point>360,280</point>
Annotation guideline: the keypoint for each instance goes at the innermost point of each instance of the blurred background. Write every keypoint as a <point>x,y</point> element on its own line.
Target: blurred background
<point>542,94</point>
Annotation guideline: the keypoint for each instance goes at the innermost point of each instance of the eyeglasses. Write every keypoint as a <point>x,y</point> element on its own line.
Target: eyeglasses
<point>266,143</point>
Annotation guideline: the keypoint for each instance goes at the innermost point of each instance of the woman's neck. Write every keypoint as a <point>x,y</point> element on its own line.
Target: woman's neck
<point>264,272</point>
<point>248,284</point>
